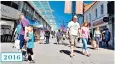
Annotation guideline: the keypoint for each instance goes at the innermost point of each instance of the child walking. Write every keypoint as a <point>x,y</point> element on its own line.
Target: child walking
<point>30,44</point>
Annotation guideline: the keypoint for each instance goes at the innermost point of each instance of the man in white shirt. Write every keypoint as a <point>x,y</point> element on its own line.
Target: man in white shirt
<point>72,33</point>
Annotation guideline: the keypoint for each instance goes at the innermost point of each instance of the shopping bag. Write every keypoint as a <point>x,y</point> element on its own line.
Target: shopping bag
<point>17,44</point>
<point>94,44</point>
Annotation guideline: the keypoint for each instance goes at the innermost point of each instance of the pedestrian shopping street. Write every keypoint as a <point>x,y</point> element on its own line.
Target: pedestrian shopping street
<point>50,54</point>
<point>32,29</point>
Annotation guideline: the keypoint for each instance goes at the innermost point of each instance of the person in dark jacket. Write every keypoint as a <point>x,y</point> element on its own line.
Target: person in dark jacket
<point>106,37</point>
<point>47,35</point>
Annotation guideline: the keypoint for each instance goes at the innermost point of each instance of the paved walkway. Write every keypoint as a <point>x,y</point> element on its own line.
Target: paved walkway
<point>50,54</point>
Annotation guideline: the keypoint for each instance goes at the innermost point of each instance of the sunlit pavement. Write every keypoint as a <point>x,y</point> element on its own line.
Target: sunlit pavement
<point>50,54</point>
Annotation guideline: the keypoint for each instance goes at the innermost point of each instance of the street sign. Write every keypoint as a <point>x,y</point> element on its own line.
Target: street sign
<point>106,19</point>
<point>68,7</point>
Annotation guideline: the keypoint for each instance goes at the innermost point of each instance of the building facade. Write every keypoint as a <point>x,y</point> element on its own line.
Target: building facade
<point>95,13</point>
<point>10,11</point>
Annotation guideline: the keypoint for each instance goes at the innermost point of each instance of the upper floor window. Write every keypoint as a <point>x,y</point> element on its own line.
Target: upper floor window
<point>86,17</point>
<point>89,16</point>
<point>96,13</point>
<point>102,9</point>
<point>10,4</point>
<point>7,3</point>
<point>14,5</point>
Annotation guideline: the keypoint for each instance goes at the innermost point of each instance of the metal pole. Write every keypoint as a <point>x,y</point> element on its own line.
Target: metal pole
<point>83,12</point>
<point>63,22</point>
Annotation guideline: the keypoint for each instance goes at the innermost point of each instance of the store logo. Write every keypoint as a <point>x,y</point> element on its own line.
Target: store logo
<point>4,10</point>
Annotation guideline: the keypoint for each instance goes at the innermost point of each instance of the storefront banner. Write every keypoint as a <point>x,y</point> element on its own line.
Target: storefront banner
<point>9,12</point>
<point>79,7</point>
<point>68,7</point>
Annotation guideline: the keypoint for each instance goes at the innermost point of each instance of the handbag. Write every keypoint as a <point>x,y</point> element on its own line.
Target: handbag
<point>94,44</point>
<point>17,43</point>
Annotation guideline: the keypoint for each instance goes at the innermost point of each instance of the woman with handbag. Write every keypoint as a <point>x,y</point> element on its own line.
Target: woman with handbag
<point>97,36</point>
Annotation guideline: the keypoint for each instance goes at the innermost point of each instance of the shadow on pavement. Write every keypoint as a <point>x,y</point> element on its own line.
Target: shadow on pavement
<point>77,51</point>
<point>55,43</point>
<point>67,52</point>
<point>65,44</point>
<point>78,47</point>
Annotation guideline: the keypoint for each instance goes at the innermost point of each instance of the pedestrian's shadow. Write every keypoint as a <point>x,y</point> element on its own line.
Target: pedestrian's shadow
<point>55,43</point>
<point>78,47</point>
<point>77,51</point>
<point>65,44</point>
<point>67,52</point>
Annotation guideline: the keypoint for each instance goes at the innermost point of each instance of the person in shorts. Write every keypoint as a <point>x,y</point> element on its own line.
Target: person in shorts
<point>72,34</point>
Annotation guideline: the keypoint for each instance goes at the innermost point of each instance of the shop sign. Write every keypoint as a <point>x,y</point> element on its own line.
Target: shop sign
<point>9,12</point>
<point>98,22</point>
<point>68,7</point>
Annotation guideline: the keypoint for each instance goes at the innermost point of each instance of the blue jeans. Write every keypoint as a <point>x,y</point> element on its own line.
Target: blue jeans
<point>21,38</point>
<point>85,40</point>
<point>47,40</point>
<point>98,40</point>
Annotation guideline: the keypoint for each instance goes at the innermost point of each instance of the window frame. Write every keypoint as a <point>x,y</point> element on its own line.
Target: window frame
<point>102,9</point>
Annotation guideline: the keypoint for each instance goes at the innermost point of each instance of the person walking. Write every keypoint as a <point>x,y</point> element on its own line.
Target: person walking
<point>107,37</point>
<point>47,35</point>
<point>59,36</point>
<point>97,36</point>
<point>72,34</point>
<point>85,34</point>
<point>42,34</point>
<point>30,44</point>
<point>24,23</point>
<point>17,33</point>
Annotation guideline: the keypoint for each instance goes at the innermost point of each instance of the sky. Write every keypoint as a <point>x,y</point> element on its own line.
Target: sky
<point>60,16</point>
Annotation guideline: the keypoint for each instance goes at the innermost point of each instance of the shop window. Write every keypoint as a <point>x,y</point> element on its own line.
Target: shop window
<point>14,5</point>
<point>23,11</point>
<point>16,2</point>
<point>25,6</point>
<point>7,3</point>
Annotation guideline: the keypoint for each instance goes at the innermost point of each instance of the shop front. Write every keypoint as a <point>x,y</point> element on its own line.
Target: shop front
<point>9,17</point>
<point>101,24</point>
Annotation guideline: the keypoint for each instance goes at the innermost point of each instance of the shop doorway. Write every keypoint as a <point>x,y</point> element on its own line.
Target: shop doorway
<point>6,33</point>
